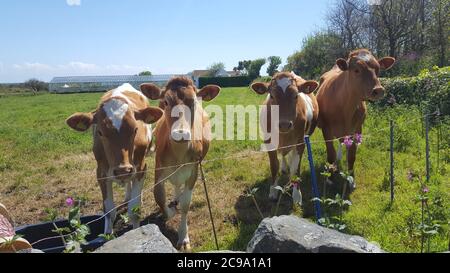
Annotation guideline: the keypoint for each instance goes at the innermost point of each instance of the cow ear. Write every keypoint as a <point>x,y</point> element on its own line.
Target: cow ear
<point>342,64</point>
<point>260,87</point>
<point>149,115</point>
<point>209,92</point>
<point>151,91</point>
<point>308,87</point>
<point>386,63</point>
<point>80,121</point>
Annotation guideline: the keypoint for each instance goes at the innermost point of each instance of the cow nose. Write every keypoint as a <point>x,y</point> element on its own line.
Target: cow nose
<point>285,125</point>
<point>181,134</point>
<point>378,92</point>
<point>123,172</point>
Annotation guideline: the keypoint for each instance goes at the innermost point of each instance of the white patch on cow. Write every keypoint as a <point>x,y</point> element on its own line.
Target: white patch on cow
<point>115,110</point>
<point>309,106</point>
<point>284,83</point>
<point>364,56</point>
<point>149,132</point>
<point>126,87</point>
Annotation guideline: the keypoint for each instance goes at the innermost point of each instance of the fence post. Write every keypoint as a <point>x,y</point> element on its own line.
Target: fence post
<point>438,117</point>
<point>427,152</point>
<point>313,179</point>
<point>391,177</point>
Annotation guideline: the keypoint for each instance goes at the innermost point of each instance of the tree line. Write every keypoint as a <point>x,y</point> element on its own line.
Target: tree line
<point>415,32</point>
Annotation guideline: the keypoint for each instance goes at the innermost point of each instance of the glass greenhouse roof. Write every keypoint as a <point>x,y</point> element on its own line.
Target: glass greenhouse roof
<point>105,79</point>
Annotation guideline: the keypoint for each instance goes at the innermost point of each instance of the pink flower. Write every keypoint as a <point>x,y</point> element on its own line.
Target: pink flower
<point>70,202</point>
<point>425,189</point>
<point>358,139</point>
<point>348,141</point>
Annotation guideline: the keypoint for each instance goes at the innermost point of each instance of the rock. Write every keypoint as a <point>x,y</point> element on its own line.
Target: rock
<point>224,252</point>
<point>30,250</point>
<point>146,239</point>
<point>290,234</point>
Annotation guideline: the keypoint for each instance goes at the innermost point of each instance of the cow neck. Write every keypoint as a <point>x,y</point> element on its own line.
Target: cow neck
<point>352,97</point>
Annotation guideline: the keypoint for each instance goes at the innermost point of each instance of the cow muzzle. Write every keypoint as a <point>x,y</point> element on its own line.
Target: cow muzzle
<point>377,93</point>
<point>181,135</point>
<point>285,126</point>
<point>124,172</point>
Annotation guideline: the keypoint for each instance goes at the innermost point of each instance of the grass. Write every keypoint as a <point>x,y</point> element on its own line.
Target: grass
<point>42,162</point>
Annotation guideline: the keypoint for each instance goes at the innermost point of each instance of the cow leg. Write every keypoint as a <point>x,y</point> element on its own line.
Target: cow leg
<point>159,191</point>
<point>294,162</point>
<point>274,168</point>
<point>134,205</point>
<point>331,152</point>
<point>183,236</point>
<point>108,204</point>
<point>127,193</point>
<point>284,165</point>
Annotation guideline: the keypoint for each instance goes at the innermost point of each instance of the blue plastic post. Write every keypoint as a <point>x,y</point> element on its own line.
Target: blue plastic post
<point>313,179</point>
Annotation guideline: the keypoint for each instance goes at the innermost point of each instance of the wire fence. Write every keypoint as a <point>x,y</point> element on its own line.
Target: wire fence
<point>370,135</point>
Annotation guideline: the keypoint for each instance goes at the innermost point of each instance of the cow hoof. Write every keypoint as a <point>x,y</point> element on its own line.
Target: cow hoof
<point>273,195</point>
<point>351,183</point>
<point>184,247</point>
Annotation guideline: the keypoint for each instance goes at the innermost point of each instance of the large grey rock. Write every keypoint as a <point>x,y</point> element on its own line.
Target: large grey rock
<point>290,234</point>
<point>30,251</point>
<point>146,239</point>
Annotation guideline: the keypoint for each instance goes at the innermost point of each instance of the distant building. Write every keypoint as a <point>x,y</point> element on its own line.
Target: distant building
<point>197,74</point>
<point>102,83</point>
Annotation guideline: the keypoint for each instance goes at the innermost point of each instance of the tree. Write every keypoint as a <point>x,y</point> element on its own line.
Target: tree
<point>145,73</point>
<point>318,55</point>
<point>274,63</point>
<point>243,67</point>
<point>254,68</point>
<point>215,68</point>
<point>36,85</point>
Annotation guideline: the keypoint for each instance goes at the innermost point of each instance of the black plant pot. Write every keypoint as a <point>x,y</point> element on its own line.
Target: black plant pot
<point>34,233</point>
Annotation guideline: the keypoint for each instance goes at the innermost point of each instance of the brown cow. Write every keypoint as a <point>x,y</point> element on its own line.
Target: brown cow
<point>183,136</point>
<point>122,137</point>
<point>342,95</point>
<point>298,113</point>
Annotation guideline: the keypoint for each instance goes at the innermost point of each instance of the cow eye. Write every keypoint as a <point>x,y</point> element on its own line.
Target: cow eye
<point>135,130</point>
<point>99,133</point>
<point>357,71</point>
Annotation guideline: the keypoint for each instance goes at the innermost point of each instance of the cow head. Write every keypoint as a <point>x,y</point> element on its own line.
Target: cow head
<point>363,70</point>
<point>116,128</point>
<point>181,106</point>
<point>283,90</point>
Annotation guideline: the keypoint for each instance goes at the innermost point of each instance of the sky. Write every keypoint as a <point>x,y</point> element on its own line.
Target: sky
<point>47,38</point>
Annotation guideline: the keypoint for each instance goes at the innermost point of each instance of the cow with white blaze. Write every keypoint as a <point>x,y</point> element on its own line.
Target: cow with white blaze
<point>298,112</point>
<point>122,138</point>
<point>183,136</point>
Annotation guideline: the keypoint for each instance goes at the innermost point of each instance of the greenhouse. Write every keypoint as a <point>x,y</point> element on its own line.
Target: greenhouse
<point>102,83</point>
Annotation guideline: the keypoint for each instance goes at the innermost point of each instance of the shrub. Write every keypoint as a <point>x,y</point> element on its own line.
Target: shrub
<point>225,81</point>
<point>429,90</point>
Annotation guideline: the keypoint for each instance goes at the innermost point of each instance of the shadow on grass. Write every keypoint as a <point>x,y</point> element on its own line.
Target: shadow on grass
<point>249,218</point>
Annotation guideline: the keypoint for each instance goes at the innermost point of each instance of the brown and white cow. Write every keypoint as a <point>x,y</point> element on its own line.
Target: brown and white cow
<point>298,113</point>
<point>342,95</point>
<point>183,136</point>
<point>122,137</point>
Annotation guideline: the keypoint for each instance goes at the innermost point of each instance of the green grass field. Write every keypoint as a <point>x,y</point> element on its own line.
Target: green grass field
<point>42,162</point>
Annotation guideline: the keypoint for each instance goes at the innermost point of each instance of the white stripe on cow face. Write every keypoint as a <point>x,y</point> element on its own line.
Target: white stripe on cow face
<point>115,110</point>
<point>284,83</point>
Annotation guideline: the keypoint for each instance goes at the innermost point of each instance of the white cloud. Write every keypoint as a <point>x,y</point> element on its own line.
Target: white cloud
<point>73,2</point>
